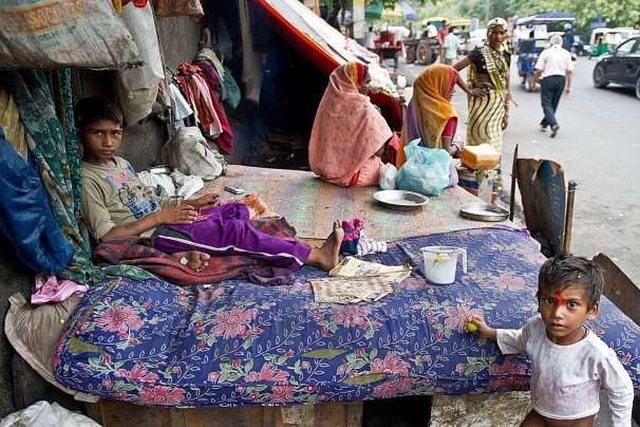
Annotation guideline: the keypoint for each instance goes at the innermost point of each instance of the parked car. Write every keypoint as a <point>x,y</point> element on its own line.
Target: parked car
<point>622,66</point>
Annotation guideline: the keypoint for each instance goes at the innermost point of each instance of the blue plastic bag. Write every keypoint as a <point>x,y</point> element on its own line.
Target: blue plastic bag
<point>26,219</point>
<point>426,170</point>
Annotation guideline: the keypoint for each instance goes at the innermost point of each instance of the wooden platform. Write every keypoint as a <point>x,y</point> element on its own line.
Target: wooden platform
<point>118,414</point>
<point>311,205</point>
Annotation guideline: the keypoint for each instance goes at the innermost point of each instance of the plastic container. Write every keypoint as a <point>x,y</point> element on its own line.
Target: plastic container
<point>482,156</point>
<point>440,263</point>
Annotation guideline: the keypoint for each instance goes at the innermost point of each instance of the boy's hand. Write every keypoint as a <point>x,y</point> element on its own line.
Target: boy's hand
<point>482,329</point>
<point>183,214</point>
<point>206,201</point>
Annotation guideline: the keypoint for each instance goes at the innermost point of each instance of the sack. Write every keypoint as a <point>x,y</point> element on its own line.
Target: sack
<point>189,152</point>
<point>425,171</point>
<point>75,33</point>
<point>388,174</point>
<point>137,88</point>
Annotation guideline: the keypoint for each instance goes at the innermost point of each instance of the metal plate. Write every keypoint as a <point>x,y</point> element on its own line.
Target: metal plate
<point>483,212</point>
<point>400,199</point>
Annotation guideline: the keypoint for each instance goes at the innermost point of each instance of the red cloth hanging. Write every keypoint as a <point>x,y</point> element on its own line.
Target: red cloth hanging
<point>209,112</point>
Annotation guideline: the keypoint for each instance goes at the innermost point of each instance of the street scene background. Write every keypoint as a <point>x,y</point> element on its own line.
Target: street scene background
<point>598,146</point>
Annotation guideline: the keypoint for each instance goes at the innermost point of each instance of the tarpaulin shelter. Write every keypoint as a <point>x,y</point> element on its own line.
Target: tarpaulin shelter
<point>297,51</point>
<point>318,41</point>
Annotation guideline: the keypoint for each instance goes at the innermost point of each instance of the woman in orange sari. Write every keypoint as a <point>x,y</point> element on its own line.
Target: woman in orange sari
<point>348,131</point>
<point>430,115</point>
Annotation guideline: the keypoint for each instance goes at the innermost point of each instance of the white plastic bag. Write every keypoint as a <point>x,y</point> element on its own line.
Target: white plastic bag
<point>155,180</point>
<point>190,153</point>
<point>43,414</point>
<point>186,185</point>
<point>388,177</point>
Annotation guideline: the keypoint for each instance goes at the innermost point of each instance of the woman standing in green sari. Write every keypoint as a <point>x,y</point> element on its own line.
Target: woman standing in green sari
<point>488,70</point>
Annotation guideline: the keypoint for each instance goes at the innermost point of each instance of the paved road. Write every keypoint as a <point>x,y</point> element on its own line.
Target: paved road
<point>598,145</point>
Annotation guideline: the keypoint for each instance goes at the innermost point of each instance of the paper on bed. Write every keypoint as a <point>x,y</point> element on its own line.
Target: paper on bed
<point>354,267</point>
<point>356,281</point>
<point>350,290</point>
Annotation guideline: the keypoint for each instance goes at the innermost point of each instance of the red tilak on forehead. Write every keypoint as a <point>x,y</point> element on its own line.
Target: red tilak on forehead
<point>558,298</point>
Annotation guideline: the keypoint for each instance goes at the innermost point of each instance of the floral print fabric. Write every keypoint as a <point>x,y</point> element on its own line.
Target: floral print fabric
<point>237,343</point>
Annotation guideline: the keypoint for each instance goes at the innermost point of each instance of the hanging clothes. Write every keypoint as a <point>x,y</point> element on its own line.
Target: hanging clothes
<point>180,108</point>
<point>206,54</point>
<point>225,140</point>
<point>208,112</point>
<point>251,64</point>
<point>10,120</point>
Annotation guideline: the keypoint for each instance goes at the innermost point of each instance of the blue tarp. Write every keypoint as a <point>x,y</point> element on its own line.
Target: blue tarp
<point>408,14</point>
<point>25,216</point>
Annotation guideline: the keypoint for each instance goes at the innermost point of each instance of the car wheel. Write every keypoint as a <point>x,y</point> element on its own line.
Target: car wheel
<point>638,87</point>
<point>423,53</point>
<point>599,77</point>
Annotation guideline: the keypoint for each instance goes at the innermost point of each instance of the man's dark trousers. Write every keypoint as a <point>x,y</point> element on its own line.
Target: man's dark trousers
<point>551,88</point>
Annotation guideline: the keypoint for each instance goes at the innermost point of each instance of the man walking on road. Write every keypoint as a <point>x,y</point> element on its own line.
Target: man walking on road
<point>555,69</point>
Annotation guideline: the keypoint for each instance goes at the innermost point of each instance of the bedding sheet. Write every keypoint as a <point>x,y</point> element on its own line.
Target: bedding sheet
<point>237,343</point>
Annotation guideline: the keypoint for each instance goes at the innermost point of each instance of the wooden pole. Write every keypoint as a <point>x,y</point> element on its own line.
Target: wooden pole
<point>568,217</point>
<point>514,173</point>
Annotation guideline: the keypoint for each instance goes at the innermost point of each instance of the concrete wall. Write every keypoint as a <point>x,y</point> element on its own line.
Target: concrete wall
<point>14,279</point>
<point>179,40</point>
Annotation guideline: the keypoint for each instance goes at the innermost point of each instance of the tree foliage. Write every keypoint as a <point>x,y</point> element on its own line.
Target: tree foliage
<point>616,13</point>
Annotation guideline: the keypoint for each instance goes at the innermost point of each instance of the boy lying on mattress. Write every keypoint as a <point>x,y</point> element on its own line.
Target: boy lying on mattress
<point>116,204</point>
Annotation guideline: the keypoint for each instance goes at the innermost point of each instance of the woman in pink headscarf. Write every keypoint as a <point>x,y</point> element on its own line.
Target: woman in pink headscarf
<point>348,131</point>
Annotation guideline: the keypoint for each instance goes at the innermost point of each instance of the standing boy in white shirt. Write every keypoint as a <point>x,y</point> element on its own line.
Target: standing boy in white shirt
<point>569,363</point>
<point>451,46</point>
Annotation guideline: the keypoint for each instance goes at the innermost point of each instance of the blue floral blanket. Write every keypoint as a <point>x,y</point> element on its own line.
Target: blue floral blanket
<point>237,343</point>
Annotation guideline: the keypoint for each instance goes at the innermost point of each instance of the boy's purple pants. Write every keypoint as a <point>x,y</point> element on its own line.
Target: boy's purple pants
<point>227,231</point>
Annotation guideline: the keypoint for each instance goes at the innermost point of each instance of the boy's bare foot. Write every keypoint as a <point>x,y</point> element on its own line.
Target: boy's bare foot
<point>326,256</point>
<point>195,260</point>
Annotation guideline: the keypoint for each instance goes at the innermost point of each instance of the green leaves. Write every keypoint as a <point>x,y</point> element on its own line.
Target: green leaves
<point>617,14</point>
<point>328,353</point>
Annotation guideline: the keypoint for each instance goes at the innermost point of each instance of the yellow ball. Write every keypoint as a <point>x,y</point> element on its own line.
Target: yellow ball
<point>470,327</point>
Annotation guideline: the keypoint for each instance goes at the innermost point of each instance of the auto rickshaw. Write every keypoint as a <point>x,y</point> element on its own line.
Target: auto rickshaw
<point>537,29</point>
<point>605,40</point>
<point>462,29</point>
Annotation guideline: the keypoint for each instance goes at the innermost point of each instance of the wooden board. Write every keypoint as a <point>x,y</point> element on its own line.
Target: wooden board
<point>118,414</point>
<point>311,205</point>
